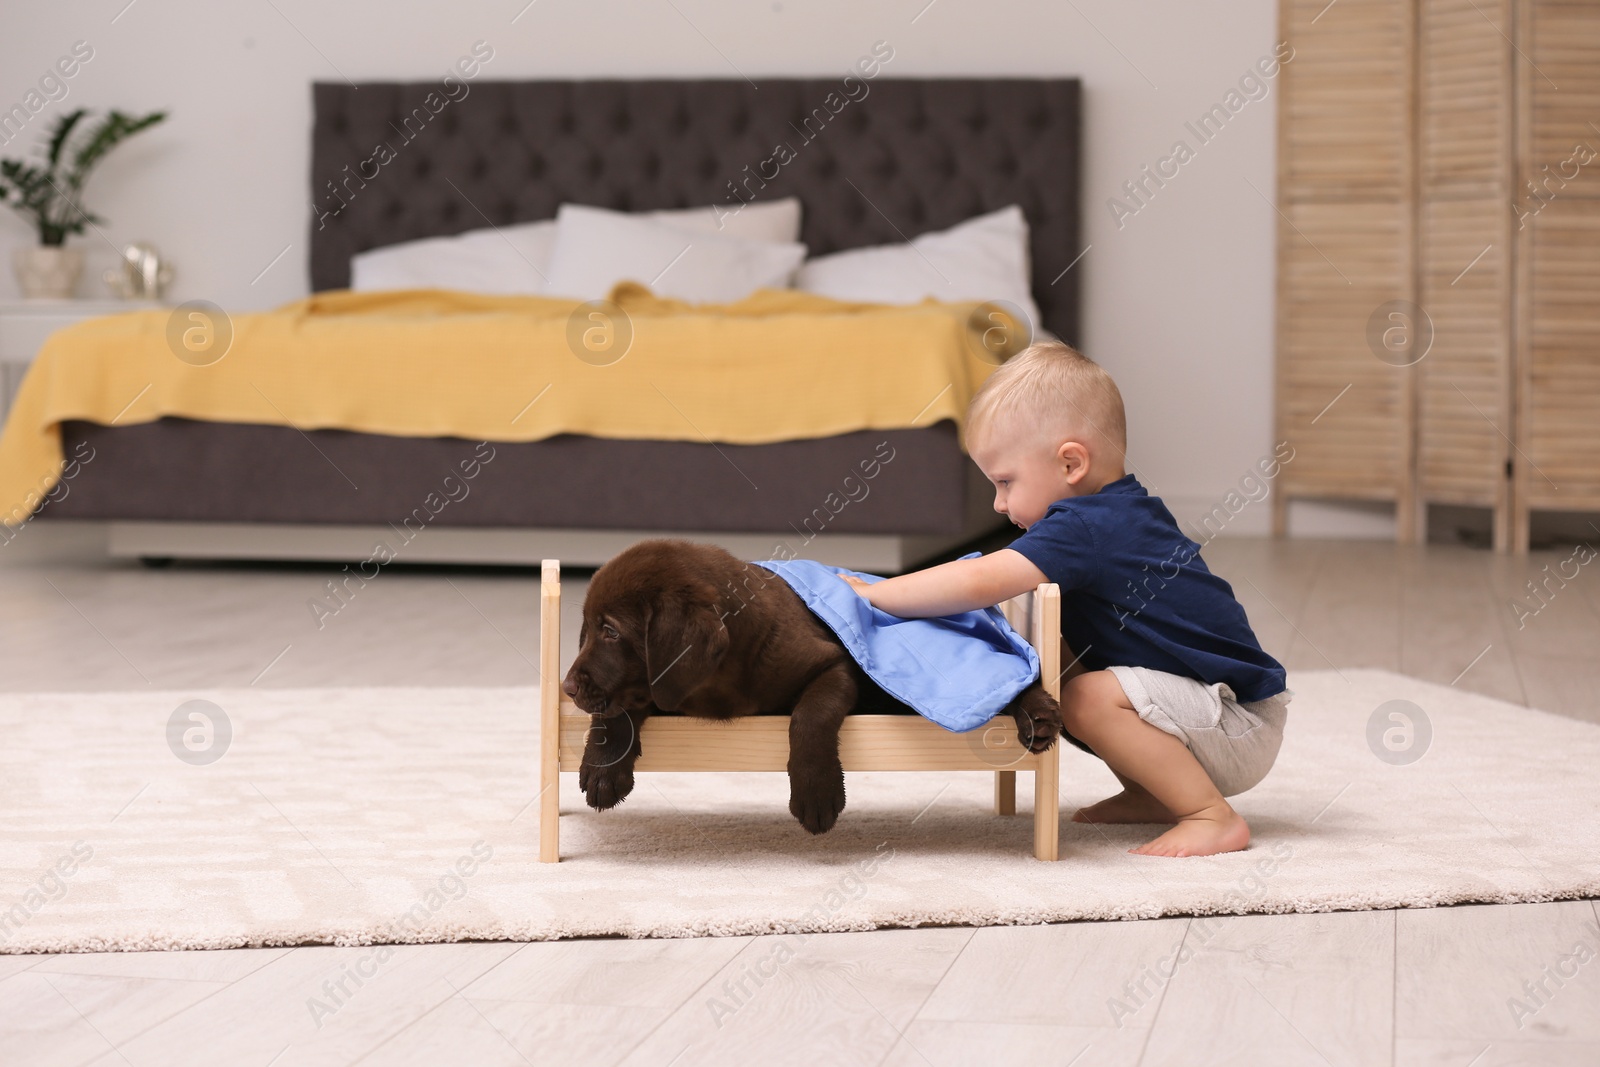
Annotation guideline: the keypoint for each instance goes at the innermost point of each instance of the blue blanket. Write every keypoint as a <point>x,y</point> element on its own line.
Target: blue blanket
<point>957,670</point>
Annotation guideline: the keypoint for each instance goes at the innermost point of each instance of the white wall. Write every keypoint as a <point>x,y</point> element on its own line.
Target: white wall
<point>1178,300</point>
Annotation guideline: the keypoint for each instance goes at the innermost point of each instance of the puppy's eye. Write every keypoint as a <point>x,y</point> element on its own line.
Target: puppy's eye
<point>609,632</point>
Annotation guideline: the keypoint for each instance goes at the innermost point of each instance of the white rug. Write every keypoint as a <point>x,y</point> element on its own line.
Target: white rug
<point>372,815</point>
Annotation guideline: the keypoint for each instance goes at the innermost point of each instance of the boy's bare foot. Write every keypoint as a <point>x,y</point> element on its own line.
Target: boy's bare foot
<point>1205,833</point>
<point>1127,806</point>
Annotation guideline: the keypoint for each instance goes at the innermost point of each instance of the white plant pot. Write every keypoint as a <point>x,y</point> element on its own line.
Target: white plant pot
<point>47,272</point>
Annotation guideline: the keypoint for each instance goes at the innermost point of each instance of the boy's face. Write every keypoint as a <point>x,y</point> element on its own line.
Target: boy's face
<point>1028,476</point>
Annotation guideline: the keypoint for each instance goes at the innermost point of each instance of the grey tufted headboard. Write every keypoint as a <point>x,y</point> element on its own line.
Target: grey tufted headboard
<point>872,162</point>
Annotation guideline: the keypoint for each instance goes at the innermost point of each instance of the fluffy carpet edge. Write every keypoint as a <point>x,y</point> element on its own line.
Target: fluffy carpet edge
<point>360,936</point>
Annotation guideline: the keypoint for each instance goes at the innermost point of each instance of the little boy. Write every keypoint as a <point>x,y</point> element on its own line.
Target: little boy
<point>1169,685</point>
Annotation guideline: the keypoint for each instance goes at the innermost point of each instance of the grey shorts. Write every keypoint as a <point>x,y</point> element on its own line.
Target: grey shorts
<point>1235,743</point>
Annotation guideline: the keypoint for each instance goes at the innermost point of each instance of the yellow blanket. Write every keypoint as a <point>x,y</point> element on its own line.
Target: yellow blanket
<point>777,365</point>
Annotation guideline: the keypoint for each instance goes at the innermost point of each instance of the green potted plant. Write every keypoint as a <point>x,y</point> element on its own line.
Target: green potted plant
<point>50,196</point>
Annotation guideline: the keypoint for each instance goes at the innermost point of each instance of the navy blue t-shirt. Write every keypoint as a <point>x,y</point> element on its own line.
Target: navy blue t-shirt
<point>1135,592</point>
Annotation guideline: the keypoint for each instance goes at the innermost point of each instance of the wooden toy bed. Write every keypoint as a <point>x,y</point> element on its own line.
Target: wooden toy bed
<point>761,743</point>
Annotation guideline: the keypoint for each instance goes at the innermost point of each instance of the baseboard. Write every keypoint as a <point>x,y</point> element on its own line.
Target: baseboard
<point>1347,520</point>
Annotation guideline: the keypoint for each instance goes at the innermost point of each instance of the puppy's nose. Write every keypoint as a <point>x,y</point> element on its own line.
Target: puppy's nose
<point>569,686</point>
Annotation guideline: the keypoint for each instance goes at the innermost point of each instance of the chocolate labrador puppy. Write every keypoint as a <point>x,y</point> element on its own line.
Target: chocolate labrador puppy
<point>676,626</point>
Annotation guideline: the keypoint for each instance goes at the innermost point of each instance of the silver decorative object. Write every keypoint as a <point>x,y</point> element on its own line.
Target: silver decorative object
<point>143,274</point>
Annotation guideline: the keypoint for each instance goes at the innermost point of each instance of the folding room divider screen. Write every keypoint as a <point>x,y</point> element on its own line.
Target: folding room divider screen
<point>1438,330</point>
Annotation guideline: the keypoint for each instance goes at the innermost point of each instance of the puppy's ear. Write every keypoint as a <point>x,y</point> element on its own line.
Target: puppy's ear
<point>684,643</point>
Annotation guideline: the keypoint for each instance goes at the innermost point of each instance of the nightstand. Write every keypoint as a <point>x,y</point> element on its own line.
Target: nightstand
<point>24,325</point>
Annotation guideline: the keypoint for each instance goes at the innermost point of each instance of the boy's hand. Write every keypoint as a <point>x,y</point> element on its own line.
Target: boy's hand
<point>857,584</point>
<point>951,588</point>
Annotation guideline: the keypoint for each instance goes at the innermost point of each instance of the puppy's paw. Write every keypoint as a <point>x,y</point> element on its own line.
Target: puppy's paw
<point>605,773</point>
<point>1038,719</point>
<point>816,797</point>
<point>605,787</point>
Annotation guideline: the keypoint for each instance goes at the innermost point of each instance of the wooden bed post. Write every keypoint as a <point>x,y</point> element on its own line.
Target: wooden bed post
<point>549,710</point>
<point>1005,782</point>
<point>1046,633</point>
<point>1005,792</point>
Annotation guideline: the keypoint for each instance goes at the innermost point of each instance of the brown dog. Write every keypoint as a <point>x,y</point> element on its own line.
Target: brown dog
<point>675,626</point>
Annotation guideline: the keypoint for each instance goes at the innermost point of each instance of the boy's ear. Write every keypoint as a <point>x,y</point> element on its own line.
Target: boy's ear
<point>1074,460</point>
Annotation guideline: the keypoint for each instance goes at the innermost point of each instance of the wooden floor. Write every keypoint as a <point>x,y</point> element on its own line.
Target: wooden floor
<point>1476,986</point>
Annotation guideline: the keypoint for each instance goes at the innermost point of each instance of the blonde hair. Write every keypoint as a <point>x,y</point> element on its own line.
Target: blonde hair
<point>1051,391</point>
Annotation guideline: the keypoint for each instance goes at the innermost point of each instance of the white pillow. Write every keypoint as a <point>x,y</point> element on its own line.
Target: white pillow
<point>509,259</point>
<point>777,221</point>
<point>985,258</point>
<point>596,248</point>
<point>516,259</point>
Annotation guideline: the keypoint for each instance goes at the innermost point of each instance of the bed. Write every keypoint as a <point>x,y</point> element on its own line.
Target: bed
<point>913,156</point>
